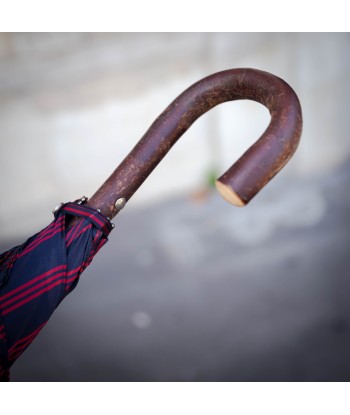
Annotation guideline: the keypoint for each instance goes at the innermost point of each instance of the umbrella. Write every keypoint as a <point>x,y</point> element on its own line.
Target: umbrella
<point>37,275</point>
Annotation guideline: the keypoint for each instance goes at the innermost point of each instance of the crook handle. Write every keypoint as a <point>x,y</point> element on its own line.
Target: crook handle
<point>250,173</point>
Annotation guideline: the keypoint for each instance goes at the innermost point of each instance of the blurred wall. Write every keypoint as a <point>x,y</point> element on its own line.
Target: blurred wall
<point>72,106</point>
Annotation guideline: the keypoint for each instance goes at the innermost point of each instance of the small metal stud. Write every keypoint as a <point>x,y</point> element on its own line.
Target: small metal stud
<point>120,203</point>
<point>108,218</point>
<point>57,208</point>
<point>99,210</point>
<point>82,200</point>
<point>112,224</point>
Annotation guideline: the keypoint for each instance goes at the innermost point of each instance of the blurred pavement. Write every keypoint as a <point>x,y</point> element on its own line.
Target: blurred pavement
<point>191,290</point>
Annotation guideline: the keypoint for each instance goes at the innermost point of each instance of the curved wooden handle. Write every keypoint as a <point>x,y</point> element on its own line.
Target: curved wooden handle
<point>250,173</point>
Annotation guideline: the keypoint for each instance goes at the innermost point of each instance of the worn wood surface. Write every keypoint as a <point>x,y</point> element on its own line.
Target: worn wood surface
<point>250,173</point>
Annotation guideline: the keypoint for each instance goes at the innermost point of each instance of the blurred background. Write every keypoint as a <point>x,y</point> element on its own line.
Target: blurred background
<point>188,288</point>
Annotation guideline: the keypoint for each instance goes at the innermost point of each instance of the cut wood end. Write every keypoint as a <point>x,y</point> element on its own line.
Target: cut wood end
<point>229,194</point>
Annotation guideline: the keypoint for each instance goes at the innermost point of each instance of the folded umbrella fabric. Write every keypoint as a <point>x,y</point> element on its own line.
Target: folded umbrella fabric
<point>37,275</point>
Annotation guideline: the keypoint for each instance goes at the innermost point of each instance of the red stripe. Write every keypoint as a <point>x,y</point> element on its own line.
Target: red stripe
<point>87,227</point>
<point>73,270</point>
<point>97,247</point>
<point>100,245</point>
<point>102,224</point>
<point>82,209</point>
<point>30,290</point>
<point>98,234</point>
<point>41,240</point>
<point>96,237</point>
<point>12,260</point>
<point>43,233</point>
<point>45,274</point>
<point>24,341</point>
<point>26,338</point>
<point>73,230</point>
<point>77,235</point>
<point>47,231</point>
<point>16,353</point>
<point>5,256</point>
<point>44,290</point>
<point>71,279</point>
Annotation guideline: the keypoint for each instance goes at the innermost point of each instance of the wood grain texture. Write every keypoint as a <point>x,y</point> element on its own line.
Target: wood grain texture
<point>250,173</point>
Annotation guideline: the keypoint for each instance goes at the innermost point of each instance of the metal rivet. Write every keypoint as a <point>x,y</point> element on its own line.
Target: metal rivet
<point>108,218</point>
<point>57,208</point>
<point>120,203</point>
<point>112,224</point>
<point>82,200</point>
<point>99,210</point>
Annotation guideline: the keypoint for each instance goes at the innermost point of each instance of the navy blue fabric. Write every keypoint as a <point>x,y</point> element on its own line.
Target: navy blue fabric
<point>37,275</point>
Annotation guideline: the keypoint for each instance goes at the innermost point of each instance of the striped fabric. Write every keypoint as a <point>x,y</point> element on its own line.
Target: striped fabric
<point>37,275</point>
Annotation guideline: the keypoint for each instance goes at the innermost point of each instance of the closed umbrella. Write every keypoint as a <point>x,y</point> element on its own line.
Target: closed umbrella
<point>37,275</point>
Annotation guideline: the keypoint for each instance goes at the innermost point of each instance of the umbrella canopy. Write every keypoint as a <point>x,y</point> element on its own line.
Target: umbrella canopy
<point>37,275</point>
